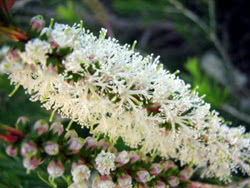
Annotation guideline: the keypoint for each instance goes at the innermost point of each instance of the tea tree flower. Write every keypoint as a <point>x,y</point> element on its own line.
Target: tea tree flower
<point>115,91</point>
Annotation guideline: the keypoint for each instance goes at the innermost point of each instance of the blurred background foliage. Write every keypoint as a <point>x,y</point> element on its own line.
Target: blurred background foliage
<point>207,40</point>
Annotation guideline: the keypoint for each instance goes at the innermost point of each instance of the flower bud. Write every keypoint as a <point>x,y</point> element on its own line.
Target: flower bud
<point>31,163</point>
<point>29,149</point>
<point>80,173</point>
<point>90,143</point>
<point>103,181</point>
<point>75,144</point>
<point>51,148</point>
<point>24,120</point>
<point>41,127</point>
<point>70,134</point>
<point>105,162</point>
<point>122,158</point>
<point>168,164</point>
<point>57,128</point>
<point>55,168</point>
<point>79,185</point>
<point>11,150</point>
<point>160,184</point>
<point>142,176</point>
<point>75,164</point>
<point>186,173</point>
<point>173,181</point>
<point>102,144</point>
<point>134,158</point>
<point>37,23</point>
<point>13,56</point>
<point>125,181</point>
<point>155,169</point>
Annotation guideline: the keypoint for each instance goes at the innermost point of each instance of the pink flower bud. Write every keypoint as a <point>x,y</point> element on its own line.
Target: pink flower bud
<point>23,120</point>
<point>13,56</point>
<point>186,173</point>
<point>55,168</point>
<point>155,169</point>
<point>11,151</point>
<point>57,128</point>
<point>173,181</point>
<point>51,148</point>
<point>90,143</point>
<point>168,164</point>
<point>122,158</point>
<point>53,44</point>
<point>135,158</point>
<point>102,144</point>
<point>70,134</point>
<point>28,149</point>
<point>142,176</point>
<point>75,164</point>
<point>75,144</point>
<point>125,181</point>
<point>160,184</point>
<point>31,163</point>
<point>37,23</point>
<point>41,127</point>
<point>80,173</point>
<point>103,181</point>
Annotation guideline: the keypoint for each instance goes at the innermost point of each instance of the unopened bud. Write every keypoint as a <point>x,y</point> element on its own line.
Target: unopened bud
<point>90,143</point>
<point>24,120</point>
<point>51,148</point>
<point>186,173</point>
<point>75,144</point>
<point>55,168</point>
<point>29,149</point>
<point>173,181</point>
<point>80,173</point>
<point>13,56</point>
<point>155,169</point>
<point>102,144</point>
<point>122,158</point>
<point>160,184</point>
<point>11,150</point>
<point>103,181</point>
<point>57,128</point>
<point>41,127</point>
<point>142,176</point>
<point>31,163</point>
<point>37,23</point>
<point>167,165</point>
<point>125,181</point>
<point>135,158</point>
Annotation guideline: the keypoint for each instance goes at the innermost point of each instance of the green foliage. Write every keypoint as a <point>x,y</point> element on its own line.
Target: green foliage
<point>67,12</point>
<point>215,94</point>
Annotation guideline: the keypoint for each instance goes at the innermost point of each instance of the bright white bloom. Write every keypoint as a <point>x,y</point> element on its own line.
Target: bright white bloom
<point>80,173</point>
<point>63,35</point>
<point>105,162</point>
<point>36,52</point>
<point>116,90</point>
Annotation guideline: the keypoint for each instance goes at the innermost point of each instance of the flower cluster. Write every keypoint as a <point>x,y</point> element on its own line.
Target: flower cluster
<point>113,90</point>
<point>92,162</point>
